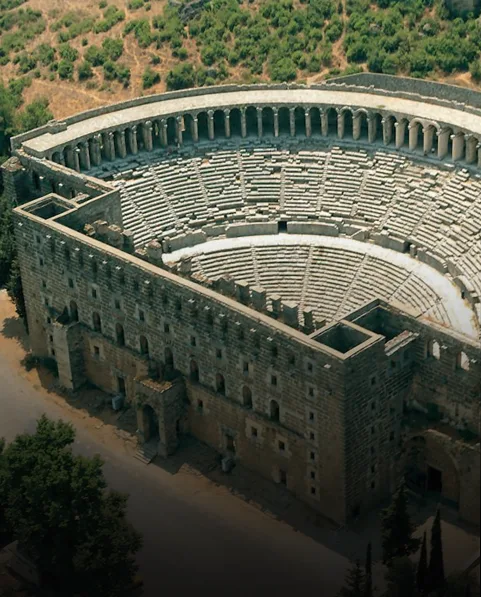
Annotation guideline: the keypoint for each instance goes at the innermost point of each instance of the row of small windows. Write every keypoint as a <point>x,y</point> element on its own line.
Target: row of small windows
<point>433,350</point>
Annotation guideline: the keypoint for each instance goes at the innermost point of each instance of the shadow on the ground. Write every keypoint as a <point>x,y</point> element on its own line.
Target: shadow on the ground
<point>13,328</point>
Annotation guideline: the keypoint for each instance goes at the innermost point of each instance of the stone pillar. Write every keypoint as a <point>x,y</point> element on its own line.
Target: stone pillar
<point>243,123</point>
<point>443,143</point>
<point>386,130</point>
<point>258,298</point>
<point>121,146</point>
<point>324,123</point>
<point>428,136</point>
<point>163,133</point>
<point>179,126</point>
<point>400,128</point>
<point>307,115</point>
<point>242,292</point>
<point>458,146</point>
<point>111,146</point>
<point>340,125</point>
<point>76,158</point>
<point>132,136</point>
<point>259,123</point>
<point>195,129</point>
<point>147,135</point>
<point>227,123</point>
<point>61,157</point>
<point>290,313</point>
<point>85,155</point>
<point>471,151</point>
<point>478,147</point>
<point>96,153</point>
<point>356,127</point>
<point>276,122</point>
<point>371,128</point>
<point>413,136</point>
<point>210,124</point>
<point>292,121</point>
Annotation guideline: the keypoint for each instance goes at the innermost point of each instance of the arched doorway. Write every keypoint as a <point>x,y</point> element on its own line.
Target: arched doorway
<point>151,424</point>
<point>235,123</point>
<point>73,311</point>
<point>194,371</point>
<point>431,471</point>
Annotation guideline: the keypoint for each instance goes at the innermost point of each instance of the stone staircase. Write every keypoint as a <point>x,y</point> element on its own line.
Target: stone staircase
<point>146,452</point>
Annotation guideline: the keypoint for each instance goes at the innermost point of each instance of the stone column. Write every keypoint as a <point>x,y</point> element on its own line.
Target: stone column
<point>386,130</point>
<point>243,123</point>
<point>121,147</point>
<point>132,136</point>
<point>324,123</point>
<point>179,126</point>
<point>147,135</point>
<point>61,157</point>
<point>163,133</point>
<point>210,124</point>
<point>400,128</point>
<point>76,158</point>
<point>478,147</point>
<point>307,115</point>
<point>111,146</point>
<point>413,136</point>
<point>458,146</point>
<point>227,123</point>
<point>85,155</point>
<point>340,125</point>
<point>259,122</point>
<point>195,129</point>
<point>471,151</point>
<point>292,121</point>
<point>96,153</point>
<point>356,127</point>
<point>443,143</point>
<point>276,122</point>
<point>371,128</point>
<point>428,136</point>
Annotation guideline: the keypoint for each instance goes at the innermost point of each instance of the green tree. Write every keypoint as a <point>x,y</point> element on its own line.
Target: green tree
<point>7,241</point>
<point>397,529</point>
<point>354,582</point>
<point>34,115</point>
<point>85,71</point>
<point>436,576</point>
<point>422,567</point>
<point>368,588</point>
<point>181,76</point>
<point>150,78</point>
<point>58,507</point>
<point>401,578</point>
<point>15,291</point>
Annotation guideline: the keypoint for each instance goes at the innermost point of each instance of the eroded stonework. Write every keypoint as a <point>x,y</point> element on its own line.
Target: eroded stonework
<point>321,340</point>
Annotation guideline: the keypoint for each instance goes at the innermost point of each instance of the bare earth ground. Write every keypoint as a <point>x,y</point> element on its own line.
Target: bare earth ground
<point>67,98</point>
<point>200,525</point>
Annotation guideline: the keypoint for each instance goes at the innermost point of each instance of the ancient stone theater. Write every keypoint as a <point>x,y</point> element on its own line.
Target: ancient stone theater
<point>290,274</point>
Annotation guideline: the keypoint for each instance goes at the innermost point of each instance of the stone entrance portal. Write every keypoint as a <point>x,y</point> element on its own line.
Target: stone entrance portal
<point>151,424</point>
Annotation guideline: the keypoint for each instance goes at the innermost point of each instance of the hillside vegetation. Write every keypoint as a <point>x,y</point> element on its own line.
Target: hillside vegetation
<point>83,53</point>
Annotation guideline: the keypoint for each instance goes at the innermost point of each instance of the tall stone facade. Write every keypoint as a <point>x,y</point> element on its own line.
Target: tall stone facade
<point>336,412</point>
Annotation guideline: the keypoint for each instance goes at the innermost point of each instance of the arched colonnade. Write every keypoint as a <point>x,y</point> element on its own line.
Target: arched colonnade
<point>427,138</point>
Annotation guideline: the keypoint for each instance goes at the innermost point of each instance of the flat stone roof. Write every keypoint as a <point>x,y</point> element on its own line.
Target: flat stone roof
<point>460,314</point>
<point>86,127</point>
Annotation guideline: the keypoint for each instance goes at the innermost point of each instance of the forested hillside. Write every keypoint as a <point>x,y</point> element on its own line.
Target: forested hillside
<point>84,53</point>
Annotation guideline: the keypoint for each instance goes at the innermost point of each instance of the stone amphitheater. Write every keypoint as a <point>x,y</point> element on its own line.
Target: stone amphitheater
<point>291,274</point>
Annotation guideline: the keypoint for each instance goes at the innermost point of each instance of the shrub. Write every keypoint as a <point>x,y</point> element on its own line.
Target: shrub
<point>95,55</point>
<point>150,78</point>
<point>181,76</point>
<point>65,69</point>
<point>68,53</point>
<point>113,48</point>
<point>85,71</point>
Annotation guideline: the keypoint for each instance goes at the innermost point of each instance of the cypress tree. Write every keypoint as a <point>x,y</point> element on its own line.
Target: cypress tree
<point>422,567</point>
<point>397,529</point>
<point>354,582</point>
<point>368,577</point>
<point>436,575</point>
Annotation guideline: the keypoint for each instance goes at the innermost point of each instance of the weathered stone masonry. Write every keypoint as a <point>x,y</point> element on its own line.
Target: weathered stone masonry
<point>321,410</point>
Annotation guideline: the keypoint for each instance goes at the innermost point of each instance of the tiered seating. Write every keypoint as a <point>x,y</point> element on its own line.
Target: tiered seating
<point>245,181</point>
